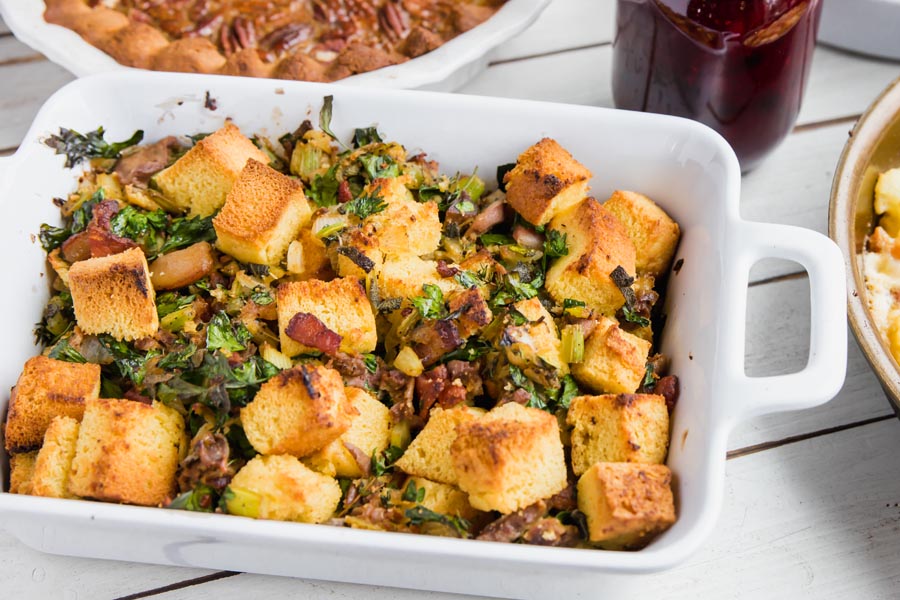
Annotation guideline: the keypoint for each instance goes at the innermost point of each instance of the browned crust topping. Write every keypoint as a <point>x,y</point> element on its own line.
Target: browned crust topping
<point>313,40</point>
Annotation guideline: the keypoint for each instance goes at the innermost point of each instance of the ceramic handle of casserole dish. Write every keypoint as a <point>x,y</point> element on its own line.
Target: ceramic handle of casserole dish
<point>823,375</point>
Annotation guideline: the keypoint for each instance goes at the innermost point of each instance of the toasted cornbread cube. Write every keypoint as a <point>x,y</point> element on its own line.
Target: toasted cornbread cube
<point>404,226</point>
<point>509,458</point>
<point>21,469</point>
<point>444,499</point>
<point>428,455</point>
<point>653,232</point>
<point>47,388</point>
<point>264,211</point>
<point>306,257</point>
<point>618,428</point>
<point>615,361</point>
<point>298,411</point>
<point>359,254</point>
<point>341,304</point>
<point>113,294</point>
<point>626,504</point>
<point>404,276</point>
<point>199,181</point>
<point>473,310</point>
<point>369,434</point>
<point>598,243</point>
<point>54,460</point>
<point>288,490</point>
<point>127,451</point>
<point>545,182</point>
<point>540,333</point>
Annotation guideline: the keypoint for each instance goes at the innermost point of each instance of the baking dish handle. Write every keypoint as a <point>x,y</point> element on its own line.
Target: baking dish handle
<point>824,373</point>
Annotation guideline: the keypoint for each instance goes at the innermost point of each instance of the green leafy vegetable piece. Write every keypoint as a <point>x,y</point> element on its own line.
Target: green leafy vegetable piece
<point>222,334</point>
<point>496,239</point>
<point>516,317</point>
<point>169,302</point>
<point>649,376</point>
<point>468,279</point>
<point>261,296</point>
<point>431,304</point>
<point>379,167</point>
<point>555,244</point>
<point>139,225</point>
<point>52,237</point>
<point>569,390</point>
<point>180,359</point>
<point>63,351</point>
<point>371,362</point>
<point>420,515</point>
<point>413,493</point>
<point>325,117</point>
<point>78,147</point>
<point>200,499</point>
<point>184,231</point>
<point>520,380</point>
<point>382,464</point>
<point>633,317</point>
<point>365,136</point>
<point>323,190</point>
<point>364,206</point>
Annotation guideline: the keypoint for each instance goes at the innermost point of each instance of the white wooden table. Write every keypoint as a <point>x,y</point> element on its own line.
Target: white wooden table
<point>812,505</point>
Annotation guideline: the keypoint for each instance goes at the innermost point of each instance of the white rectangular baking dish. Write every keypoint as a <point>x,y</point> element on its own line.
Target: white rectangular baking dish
<point>686,167</point>
<point>445,69</point>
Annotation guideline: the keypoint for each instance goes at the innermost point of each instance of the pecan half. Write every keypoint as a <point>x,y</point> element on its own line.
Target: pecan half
<point>240,35</point>
<point>285,38</point>
<point>393,20</point>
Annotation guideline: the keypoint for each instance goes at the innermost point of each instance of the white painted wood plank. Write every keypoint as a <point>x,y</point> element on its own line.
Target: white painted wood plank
<point>29,574</point>
<point>564,24</point>
<point>12,50</point>
<point>33,84</point>
<point>816,519</point>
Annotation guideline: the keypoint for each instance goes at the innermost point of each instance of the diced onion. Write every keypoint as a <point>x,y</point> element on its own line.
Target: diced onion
<point>408,362</point>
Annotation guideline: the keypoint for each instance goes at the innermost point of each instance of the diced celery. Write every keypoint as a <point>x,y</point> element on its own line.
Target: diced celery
<point>176,321</point>
<point>306,161</point>
<point>242,502</point>
<point>472,185</point>
<point>400,435</point>
<point>573,343</point>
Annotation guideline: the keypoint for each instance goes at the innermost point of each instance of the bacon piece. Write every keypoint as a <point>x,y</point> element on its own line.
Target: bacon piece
<point>669,388</point>
<point>310,331</point>
<point>433,339</point>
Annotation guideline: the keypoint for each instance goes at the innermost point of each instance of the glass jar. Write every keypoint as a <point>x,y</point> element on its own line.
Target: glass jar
<point>739,66</point>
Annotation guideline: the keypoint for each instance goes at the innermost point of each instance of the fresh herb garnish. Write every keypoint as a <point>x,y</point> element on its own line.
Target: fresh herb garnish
<point>169,302</point>
<point>379,167</point>
<point>323,190</point>
<point>496,239</point>
<point>78,147</point>
<point>261,296</point>
<point>555,244</point>
<point>371,363</point>
<point>468,279</point>
<point>431,304</point>
<point>139,225</point>
<point>413,493</point>
<point>382,464</point>
<point>364,206</point>
<point>633,317</point>
<point>63,351</point>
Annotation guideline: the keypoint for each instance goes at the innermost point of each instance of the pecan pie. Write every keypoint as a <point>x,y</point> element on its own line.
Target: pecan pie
<point>313,40</point>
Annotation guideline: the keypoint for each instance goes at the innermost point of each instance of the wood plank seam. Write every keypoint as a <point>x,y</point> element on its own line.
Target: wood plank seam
<point>22,60</point>
<point>739,452</point>
<point>179,585</point>
<point>826,123</point>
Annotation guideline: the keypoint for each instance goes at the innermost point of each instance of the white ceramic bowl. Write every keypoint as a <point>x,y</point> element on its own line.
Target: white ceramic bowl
<point>444,69</point>
<point>690,170</point>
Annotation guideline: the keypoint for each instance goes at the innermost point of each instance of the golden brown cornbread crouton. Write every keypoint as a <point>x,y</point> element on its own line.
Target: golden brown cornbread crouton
<point>306,257</point>
<point>21,468</point>
<point>369,434</point>
<point>341,304</point>
<point>597,243</point>
<point>288,490</point>
<point>404,276</point>
<point>113,294</point>
<point>626,503</point>
<point>54,460</point>
<point>298,411</point>
<point>545,182</point>
<point>445,499</point>
<point>199,181</point>
<point>618,428</point>
<point>428,455</point>
<point>404,226</point>
<point>615,361</point>
<point>509,458</point>
<point>47,388</point>
<point>358,254</point>
<point>127,451</point>
<point>473,310</point>
<point>540,333</point>
<point>654,233</point>
<point>264,211</point>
